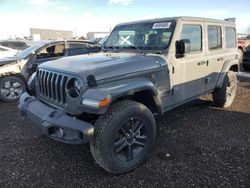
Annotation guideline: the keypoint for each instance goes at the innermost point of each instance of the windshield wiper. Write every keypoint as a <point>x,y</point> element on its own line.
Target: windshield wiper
<point>137,48</point>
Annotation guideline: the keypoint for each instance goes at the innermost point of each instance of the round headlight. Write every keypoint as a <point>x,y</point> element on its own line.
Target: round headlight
<point>74,87</point>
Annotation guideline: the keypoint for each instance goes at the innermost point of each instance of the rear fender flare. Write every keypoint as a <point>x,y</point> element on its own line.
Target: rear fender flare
<point>225,69</point>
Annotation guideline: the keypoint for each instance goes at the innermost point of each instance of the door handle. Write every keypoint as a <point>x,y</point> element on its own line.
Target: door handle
<point>203,63</point>
<point>220,59</point>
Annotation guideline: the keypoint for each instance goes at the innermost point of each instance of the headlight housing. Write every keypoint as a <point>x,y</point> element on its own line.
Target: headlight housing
<point>32,84</point>
<point>74,87</point>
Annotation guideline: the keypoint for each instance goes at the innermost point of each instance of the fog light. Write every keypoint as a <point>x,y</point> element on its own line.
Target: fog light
<point>59,132</point>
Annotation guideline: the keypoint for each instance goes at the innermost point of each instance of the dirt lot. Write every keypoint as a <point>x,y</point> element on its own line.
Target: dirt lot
<point>198,145</point>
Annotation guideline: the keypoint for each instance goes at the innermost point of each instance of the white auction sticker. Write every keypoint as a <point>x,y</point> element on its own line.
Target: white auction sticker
<point>162,25</point>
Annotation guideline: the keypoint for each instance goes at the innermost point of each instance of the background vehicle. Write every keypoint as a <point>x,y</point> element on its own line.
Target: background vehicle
<point>16,44</point>
<point>103,40</point>
<point>146,68</point>
<point>241,50</point>
<point>7,52</point>
<point>246,40</point>
<point>15,71</point>
<point>246,59</point>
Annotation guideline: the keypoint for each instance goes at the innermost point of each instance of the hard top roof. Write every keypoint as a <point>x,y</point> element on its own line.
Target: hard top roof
<point>186,18</point>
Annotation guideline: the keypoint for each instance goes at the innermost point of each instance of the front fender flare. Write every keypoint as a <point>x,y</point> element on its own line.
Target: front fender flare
<point>117,90</point>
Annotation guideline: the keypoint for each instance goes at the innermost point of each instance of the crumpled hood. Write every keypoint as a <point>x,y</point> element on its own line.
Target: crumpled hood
<point>104,65</point>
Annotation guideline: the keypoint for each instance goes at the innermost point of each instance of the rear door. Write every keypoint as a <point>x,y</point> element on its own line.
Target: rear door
<point>215,54</point>
<point>221,47</point>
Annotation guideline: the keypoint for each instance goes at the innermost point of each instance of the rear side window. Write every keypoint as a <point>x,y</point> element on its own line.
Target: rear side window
<point>214,37</point>
<point>17,45</point>
<point>78,45</point>
<point>230,37</point>
<point>194,34</point>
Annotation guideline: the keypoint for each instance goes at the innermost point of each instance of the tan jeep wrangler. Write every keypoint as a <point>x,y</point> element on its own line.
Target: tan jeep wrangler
<point>145,68</point>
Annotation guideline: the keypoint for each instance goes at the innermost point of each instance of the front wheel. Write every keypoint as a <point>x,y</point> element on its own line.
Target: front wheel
<point>123,137</point>
<point>11,88</point>
<point>224,96</point>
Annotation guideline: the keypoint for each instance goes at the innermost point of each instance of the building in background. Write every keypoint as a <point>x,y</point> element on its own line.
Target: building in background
<point>95,35</point>
<point>48,34</point>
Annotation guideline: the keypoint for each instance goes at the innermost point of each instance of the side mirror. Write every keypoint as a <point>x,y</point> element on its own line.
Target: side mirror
<point>104,43</point>
<point>182,47</point>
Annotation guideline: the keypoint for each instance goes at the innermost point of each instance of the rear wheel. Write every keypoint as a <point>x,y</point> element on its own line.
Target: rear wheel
<point>224,96</point>
<point>11,88</point>
<point>123,137</point>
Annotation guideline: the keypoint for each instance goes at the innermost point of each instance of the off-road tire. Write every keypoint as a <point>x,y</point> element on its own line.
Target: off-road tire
<point>224,96</point>
<point>107,126</point>
<point>12,79</point>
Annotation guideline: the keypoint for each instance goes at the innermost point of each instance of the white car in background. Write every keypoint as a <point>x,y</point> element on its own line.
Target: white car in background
<point>7,52</point>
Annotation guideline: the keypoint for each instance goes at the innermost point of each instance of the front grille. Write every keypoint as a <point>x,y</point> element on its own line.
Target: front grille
<point>52,86</point>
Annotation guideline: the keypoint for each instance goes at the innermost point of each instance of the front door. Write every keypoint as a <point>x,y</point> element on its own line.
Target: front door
<point>189,76</point>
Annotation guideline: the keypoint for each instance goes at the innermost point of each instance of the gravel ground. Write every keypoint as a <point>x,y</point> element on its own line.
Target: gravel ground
<point>198,145</point>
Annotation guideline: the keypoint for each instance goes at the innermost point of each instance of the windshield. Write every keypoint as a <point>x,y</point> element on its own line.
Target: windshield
<point>141,36</point>
<point>25,53</point>
<point>103,40</point>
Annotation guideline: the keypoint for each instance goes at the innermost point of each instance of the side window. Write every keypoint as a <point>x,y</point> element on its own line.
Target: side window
<point>248,37</point>
<point>194,34</point>
<point>78,49</point>
<point>230,37</point>
<point>51,51</point>
<point>17,45</point>
<point>78,45</point>
<point>214,37</point>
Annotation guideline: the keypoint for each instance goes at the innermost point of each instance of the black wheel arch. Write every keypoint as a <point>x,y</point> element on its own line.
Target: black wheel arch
<point>145,97</point>
<point>232,65</point>
<point>142,91</point>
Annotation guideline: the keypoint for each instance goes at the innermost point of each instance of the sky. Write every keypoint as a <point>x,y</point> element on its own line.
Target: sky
<point>82,16</point>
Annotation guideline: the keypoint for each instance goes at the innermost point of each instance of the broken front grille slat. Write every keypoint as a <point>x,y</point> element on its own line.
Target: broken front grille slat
<point>52,86</point>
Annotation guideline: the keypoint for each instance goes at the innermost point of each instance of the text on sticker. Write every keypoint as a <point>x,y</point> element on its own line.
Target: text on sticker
<point>162,25</point>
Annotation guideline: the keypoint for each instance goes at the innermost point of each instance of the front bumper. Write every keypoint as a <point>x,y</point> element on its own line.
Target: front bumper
<point>55,123</point>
